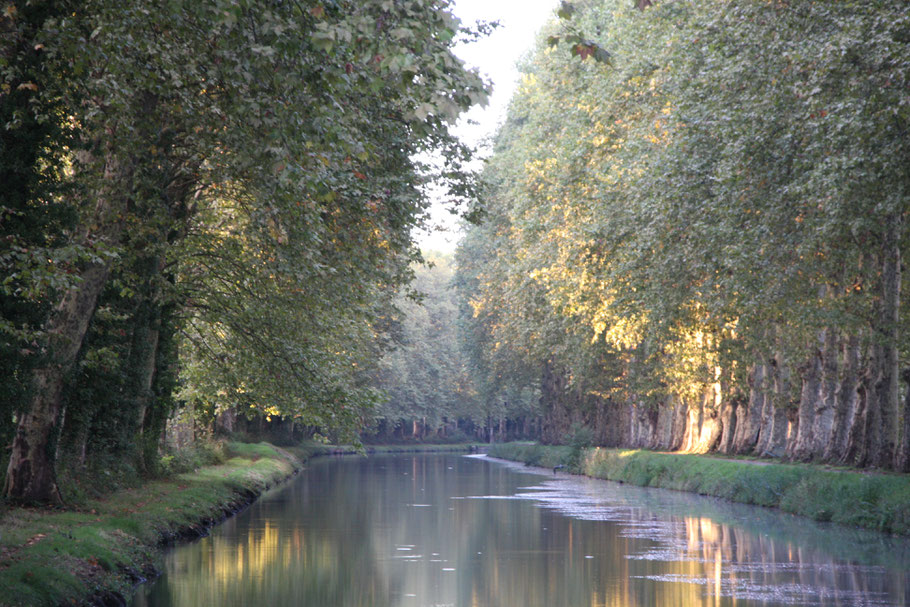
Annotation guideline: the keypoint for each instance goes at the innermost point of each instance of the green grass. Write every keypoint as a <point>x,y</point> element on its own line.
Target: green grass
<point>876,501</point>
<point>50,557</point>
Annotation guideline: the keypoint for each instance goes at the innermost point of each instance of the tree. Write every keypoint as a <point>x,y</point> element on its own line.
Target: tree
<point>270,145</point>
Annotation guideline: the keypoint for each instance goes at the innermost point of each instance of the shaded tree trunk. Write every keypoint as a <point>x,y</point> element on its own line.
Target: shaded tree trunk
<point>888,388</point>
<point>748,420</point>
<point>30,475</point>
<point>810,395</point>
<point>823,420</point>
<point>903,454</point>
<point>858,438</point>
<point>871,383</point>
<point>728,421</point>
<point>775,425</point>
<point>845,402</point>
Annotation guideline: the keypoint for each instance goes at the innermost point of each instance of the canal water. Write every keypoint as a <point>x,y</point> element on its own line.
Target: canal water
<point>452,530</point>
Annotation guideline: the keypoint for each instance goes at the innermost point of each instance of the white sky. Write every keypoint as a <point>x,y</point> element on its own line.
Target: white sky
<point>495,56</point>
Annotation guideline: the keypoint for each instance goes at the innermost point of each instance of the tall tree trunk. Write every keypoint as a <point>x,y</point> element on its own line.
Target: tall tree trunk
<point>870,389</point>
<point>748,422</point>
<point>809,398</point>
<point>766,422</point>
<point>777,406</point>
<point>903,454</point>
<point>728,422</point>
<point>144,344</point>
<point>30,475</point>
<point>854,453</point>
<point>142,370</point>
<point>888,390</point>
<point>823,422</point>
<point>845,402</point>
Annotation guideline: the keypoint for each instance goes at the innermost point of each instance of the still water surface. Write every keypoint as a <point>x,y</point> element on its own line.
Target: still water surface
<point>450,530</point>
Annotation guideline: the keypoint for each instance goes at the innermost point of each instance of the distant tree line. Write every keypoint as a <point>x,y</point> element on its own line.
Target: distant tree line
<point>697,243</point>
<point>429,384</point>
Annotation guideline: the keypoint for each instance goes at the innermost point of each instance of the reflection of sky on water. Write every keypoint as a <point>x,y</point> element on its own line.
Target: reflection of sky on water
<point>449,530</point>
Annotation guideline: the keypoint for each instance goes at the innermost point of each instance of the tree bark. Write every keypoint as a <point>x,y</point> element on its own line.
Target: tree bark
<point>748,422</point>
<point>888,390</point>
<point>30,475</point>
<point>823,421</point>
<point>845,400</point>
<point>903,454</point>
<point>810,395</point>
<point>728,422</point>
<point>854,452</point>
<point>871,383</point>
<point>776,407</point>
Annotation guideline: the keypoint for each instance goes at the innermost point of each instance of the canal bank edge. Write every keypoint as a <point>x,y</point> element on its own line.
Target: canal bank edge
<point>97,555</point>
<point>869,500</point>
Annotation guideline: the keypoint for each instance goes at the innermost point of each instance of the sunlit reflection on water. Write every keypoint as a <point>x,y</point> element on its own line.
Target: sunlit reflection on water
<point>448,530</point>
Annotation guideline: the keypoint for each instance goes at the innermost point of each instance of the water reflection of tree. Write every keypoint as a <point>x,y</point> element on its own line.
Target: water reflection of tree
<point>273,553</point>
<point>332,540</point>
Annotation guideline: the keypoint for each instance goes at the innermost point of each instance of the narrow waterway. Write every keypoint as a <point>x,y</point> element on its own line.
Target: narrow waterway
<point>450,530</point>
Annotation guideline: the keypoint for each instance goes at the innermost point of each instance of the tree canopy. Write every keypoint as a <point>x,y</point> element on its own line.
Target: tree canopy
<point>698,243</point>
<point>213,208</point>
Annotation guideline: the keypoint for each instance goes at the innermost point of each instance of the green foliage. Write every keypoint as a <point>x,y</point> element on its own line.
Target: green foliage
<point>204,453</point>
<point>579,439</point>
<point>532,454</point>
<point>243,179</point>
<point>726,190</point>
<point>426,376</point>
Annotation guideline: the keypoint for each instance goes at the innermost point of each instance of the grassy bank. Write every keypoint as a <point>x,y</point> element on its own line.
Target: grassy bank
<point>98,551</point>
<point>869,500</point>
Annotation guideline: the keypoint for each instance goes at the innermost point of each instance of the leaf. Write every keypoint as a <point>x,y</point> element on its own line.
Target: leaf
<point>565,10</point>
<point>601,55</point>
<point>323,40</point>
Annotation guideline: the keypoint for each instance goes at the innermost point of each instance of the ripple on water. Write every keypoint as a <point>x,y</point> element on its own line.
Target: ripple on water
<point>787,593</point>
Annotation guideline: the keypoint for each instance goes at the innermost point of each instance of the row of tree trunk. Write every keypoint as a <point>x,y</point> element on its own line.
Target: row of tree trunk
<point>842,406</point>
<point>838,401</point>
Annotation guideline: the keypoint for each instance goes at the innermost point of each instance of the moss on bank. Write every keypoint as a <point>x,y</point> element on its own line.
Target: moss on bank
<point>98,552</point>
<point>861,499</point>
